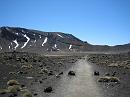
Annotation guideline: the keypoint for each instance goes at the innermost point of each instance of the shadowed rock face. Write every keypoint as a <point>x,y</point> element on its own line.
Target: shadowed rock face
<point>21,39</point>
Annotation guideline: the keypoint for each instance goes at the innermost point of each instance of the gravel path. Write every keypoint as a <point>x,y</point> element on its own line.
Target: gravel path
<point>81,85</point>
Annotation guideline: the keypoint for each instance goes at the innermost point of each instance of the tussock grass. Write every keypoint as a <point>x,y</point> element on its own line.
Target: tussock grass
<point>108,79</point>
<point>28,94</point>
<point>12,82</point>
<point>14,89</point>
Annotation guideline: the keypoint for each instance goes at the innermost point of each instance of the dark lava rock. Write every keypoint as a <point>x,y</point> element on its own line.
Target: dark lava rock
<point>40,65</point>
<point>34,60</point>
<point>22,86</point>
<point>13,95</point>
<point>48,90</point>
<point>72,73</point>
<point>20,72</point>
<point>50,73</point>
<point>57,76</point>
<point>96,73</point>
<point>114,73</point>
<point>35,94</point>
<point>18,59</point>
<point>3,92</point>
<point>40,81</point>
<point>61,73</point>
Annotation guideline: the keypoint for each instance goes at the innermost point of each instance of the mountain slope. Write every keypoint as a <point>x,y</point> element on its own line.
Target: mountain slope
<point>21,39</point>
<point>28,40</point>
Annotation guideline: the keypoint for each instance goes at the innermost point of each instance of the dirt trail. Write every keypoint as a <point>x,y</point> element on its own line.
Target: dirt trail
<point>81,85</point>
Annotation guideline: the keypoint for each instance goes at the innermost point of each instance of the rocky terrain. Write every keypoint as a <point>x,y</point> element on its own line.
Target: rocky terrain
<point>112,72</point>
<point>112,60</point>
<point>25,74</point>
<point>32,71</point>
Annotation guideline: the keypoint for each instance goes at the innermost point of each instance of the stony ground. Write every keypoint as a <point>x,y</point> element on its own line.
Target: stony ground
<point>112,65</point>
<point>47,76</point>
<point>111,60</point>
<point>35,73</point>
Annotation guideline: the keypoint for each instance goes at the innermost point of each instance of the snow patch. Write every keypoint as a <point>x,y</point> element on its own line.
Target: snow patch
<point>7,28</point>
<point>58,49</point>
<point>17,34</point>
<point>60,36</point>
<point>70,46</point>
<point>40,36</point>
<point>1,47</point>
<point>9,46</point>
<point>35,41</point>
<point>15,41</point>
<point>28,39</point>
<point>23,31</point>
<point>55,46</point>
<point>45,40</point>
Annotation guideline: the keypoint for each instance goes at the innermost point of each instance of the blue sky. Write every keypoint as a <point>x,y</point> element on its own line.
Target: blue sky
<point>96,21</point>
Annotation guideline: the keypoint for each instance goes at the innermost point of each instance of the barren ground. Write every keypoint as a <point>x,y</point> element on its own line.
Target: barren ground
<point>83,84</point>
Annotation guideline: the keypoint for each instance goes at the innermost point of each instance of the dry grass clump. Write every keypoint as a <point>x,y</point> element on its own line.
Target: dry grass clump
<point>29,66</point>
<point>28,94</point>
<point>12,82</point>
<point>3,91</point>
<point>114,65</point>
<point>43,70</point>
<point>14,86</point>
<point>108,79</point>
<point>14,89</point>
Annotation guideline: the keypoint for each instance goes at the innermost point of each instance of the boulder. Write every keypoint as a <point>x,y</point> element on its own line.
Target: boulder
<point>48,90</point>
<point>96,73</point>
<point>72,73</point>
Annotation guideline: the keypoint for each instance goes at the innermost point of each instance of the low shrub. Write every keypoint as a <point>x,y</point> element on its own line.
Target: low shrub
<point>3,91</point>
<point>14,89</point>
<point>27,94</point>
<point>114,65</point>
<point>114,79</point>
<point>103,79</point>
<point>108,79</point>
<point>44,70</point>
<point>27,66</point>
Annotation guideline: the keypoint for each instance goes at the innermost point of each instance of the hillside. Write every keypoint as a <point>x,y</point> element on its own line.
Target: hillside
<point>28,40</point>
<point>21,39</point>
